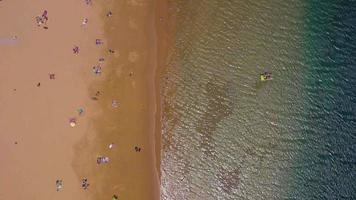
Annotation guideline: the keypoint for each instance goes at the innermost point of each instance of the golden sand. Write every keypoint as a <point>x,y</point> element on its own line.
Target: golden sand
<point>40,142</point>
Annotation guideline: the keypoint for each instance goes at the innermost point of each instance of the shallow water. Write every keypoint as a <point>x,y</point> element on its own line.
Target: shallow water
<point>226,135</point>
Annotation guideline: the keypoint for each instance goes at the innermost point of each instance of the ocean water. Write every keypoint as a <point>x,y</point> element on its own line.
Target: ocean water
<point>226,135</point>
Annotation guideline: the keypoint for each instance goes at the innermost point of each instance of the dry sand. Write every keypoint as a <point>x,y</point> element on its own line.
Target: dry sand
<point>37,117</point>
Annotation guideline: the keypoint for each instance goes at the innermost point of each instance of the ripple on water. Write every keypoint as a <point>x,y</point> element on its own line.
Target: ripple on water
<point>228,136</point>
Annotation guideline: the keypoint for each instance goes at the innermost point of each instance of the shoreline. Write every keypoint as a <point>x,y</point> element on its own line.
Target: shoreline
<point>166,29</point>
<point>162,49</point>
<point>132,76</point>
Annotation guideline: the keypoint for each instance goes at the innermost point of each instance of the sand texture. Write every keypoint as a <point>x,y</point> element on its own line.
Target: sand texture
<point>37,143</point>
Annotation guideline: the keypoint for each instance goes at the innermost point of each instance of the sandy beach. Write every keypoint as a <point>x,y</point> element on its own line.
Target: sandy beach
<point>117,106</point>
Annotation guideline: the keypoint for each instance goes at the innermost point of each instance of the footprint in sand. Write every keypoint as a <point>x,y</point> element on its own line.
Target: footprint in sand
<point>133,84</point>
<point>133,56</point>
<point>136,2</point>
<point>118,71</point>
<point>115,53</point>
<point>133,24</point>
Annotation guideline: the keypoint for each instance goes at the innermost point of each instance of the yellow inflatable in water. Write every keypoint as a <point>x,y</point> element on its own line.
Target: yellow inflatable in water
<point>265,76</point>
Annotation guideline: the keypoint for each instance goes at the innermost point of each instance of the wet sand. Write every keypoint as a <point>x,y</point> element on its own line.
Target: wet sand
<point>37,117</point>
<point>165,28</point>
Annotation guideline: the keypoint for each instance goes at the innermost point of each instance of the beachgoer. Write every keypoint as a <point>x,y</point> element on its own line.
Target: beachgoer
<point>72,122</point>
<point>44,15</point>
<point>97,70</point>
<point>98,42</point>
<point>38,84</point>
<point>44,18</point>
<point>115,197</point>
<point>88,2</point>
<point>39,21</point>
<point>76,50</point>
<point>80,111</point>
<point>59,184</point>
<point>111,145</point>
<point>109,14</point>
<point>102,159</point>
<point>137,149</point>
<point>52,76</point>
<point>85,21</point>
<point>101,59</point>
<point>114,104</point>
<point>85,183</point>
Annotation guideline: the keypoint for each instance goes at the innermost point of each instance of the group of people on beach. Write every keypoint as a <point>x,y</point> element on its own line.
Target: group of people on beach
<point>41,21</point>
<point>59,184</point>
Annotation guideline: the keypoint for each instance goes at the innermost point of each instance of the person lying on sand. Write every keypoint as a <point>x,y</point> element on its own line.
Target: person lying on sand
<point>59,184</point>
<point>85,21</point>
<point>85,183</point>
<point>102,160</point>
<point>114,103</point>
<point>76,50</point>
<point>98,42</point>
<point>39,21</point>
<point>137,149</point>
<point>42,19</point>
<point>52,76</point>
<point>97,70</point>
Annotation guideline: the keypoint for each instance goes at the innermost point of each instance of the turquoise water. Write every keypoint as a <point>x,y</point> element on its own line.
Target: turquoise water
<point>228,136</point>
